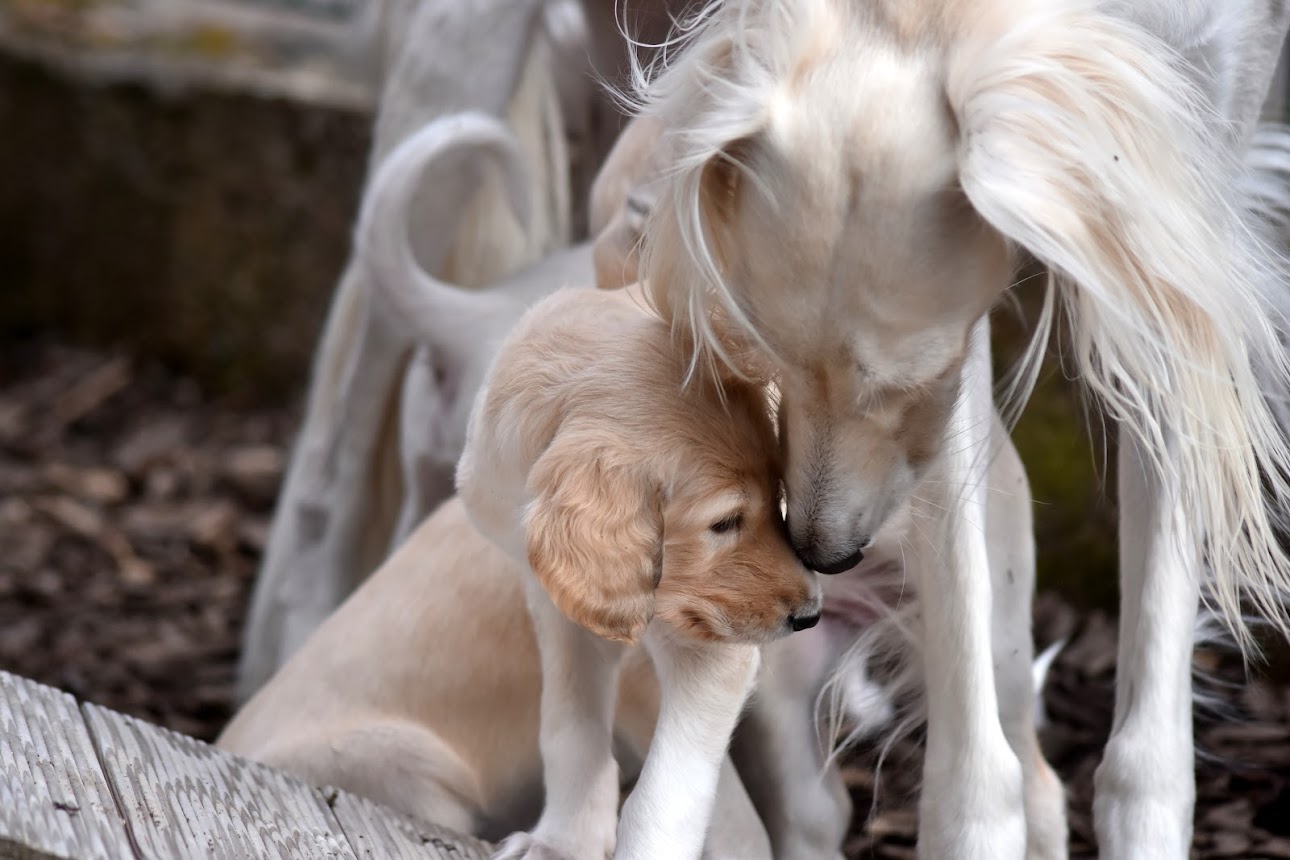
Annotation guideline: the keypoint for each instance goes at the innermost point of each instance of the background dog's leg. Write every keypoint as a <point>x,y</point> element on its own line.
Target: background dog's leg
<point>341,494</point>
<point>579,692</point>
<point>781,756</point>
<point>703,689</point>
<point>316,552</point>
<point>1012,571</point>
<point>972,804</point>
<point>423,449</point>
<point>1145,786</point>
<point>736,832</point>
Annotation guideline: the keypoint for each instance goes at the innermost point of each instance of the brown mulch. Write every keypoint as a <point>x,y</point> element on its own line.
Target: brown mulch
<point>133,511</point>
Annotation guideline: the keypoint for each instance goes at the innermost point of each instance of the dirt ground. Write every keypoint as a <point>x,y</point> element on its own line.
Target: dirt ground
<point>133,510</point>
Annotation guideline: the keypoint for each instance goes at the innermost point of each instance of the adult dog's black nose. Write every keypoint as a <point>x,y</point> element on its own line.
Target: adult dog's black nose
<point>829,566</point>
<point>803,622</point>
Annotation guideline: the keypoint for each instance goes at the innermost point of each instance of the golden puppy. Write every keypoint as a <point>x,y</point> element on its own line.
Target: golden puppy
<point>633,496</point>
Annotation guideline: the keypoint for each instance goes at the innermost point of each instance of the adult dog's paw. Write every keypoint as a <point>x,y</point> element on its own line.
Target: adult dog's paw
<point>526,846</point>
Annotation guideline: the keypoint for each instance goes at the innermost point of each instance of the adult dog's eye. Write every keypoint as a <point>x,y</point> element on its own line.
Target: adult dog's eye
<point>730,523</point>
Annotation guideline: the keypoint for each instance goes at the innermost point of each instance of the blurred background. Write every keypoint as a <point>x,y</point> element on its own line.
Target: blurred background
<point>177,184</point>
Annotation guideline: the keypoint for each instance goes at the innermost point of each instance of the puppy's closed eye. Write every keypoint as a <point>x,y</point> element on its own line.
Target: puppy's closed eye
<point>727,524</point>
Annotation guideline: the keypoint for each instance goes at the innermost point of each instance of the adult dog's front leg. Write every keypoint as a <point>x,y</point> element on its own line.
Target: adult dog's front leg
<point>1145,786</point>
<point>1012,568</point>
<point>579,692</point>
<point>703,689</point>
<point>971,805</point>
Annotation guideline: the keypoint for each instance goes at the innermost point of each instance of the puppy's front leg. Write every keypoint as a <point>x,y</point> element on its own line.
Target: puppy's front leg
<point>971,805</point>
<point>703,689</point>
<point>1145,787</point>
<point>780,756</point>
<point>579,693</point>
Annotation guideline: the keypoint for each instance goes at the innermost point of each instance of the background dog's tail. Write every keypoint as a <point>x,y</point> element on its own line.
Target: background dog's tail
<point>419,304</point>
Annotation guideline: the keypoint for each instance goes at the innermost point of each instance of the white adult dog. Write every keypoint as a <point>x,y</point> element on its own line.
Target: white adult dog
<point>852,185</point>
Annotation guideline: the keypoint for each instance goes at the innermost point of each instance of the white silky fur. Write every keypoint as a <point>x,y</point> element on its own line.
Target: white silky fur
<point>849,186</point>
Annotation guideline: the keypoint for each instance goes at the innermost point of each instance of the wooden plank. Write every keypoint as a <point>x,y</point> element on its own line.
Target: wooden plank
<point>54,798</point>
<point>183,798</point>
<point>379,833</point>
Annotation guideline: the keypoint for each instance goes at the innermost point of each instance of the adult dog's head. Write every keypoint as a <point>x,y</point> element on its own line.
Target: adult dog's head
<point>850,184</point>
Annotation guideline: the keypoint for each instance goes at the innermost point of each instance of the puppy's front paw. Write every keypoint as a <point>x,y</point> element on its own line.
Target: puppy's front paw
<point>526,846</point>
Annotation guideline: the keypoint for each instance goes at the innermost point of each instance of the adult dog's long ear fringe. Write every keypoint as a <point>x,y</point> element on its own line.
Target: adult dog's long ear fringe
<point>710,98</point>
<point>1083,141</point>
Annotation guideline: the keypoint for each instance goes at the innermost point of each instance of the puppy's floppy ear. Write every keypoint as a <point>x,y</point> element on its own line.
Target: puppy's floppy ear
<point>594,534</point>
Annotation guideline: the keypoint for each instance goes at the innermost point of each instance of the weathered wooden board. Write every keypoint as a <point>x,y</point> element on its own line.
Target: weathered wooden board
<point>377,833</point>
<point>183,798</point>
<point>54,799</point>
<point>86,783</point>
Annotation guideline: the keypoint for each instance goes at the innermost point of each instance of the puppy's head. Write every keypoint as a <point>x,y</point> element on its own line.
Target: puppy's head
<point>686,527</point>
<point>729,572</point>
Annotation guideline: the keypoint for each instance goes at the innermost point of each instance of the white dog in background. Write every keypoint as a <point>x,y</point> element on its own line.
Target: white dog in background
<point>364,469</point>
<point>344,500</point>
<point>851,186</point>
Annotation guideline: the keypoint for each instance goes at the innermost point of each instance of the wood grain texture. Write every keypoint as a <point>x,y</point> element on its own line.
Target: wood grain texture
<point>54,798</point>
<point>183,798</point>
<point>86,783</point>
<point>377,833</point>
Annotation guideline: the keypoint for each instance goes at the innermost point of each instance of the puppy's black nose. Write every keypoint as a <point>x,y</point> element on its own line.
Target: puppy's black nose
<point>829,567</point>
<point>803,622</point>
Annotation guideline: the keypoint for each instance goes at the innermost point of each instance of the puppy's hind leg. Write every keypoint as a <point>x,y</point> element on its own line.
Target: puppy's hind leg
<point>396,763</point>
<point>579,692</point>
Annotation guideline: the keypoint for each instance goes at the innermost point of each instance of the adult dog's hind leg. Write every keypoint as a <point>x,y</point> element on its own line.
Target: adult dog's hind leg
<point>736,832</point>
<point>1145,787</point>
